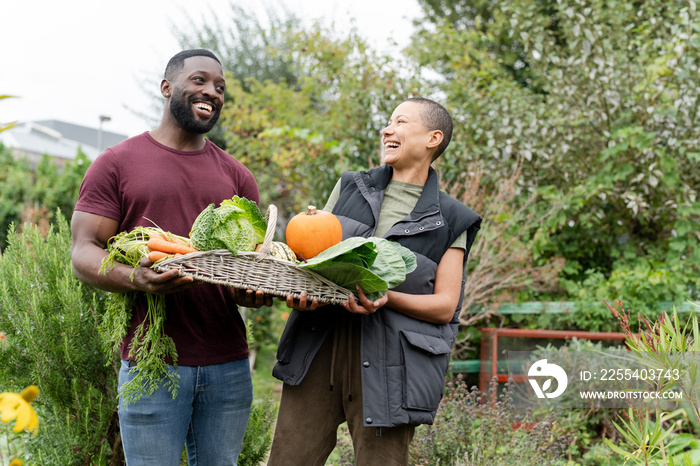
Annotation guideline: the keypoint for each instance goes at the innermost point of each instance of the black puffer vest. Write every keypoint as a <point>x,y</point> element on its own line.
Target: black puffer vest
<point>404,360</point>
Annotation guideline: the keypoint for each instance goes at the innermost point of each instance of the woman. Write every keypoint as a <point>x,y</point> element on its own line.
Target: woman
<point>380,365</point>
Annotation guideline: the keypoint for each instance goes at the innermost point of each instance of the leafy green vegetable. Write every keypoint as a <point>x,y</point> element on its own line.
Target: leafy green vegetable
<point>375,264</point>
<point>253,214</point>
<point>237,225</point>
<point>150,345</point>
<point>389,261</point>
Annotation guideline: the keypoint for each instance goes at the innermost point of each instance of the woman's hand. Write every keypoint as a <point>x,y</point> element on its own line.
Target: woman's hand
<point>365,306</point>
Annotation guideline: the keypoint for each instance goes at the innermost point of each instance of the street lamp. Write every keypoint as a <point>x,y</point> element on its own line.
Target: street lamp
<point>103,118</point>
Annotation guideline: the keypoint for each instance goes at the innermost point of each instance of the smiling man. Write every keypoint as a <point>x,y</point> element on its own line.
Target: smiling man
<point>168,176</point>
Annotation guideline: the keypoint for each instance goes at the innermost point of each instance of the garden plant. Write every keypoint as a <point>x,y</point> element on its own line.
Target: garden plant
<point>576,131</point>
<point>666,345</point>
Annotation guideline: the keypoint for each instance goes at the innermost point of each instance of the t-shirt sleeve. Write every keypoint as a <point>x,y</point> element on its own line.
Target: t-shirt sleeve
<point>250,190</point>
<point>461,241</point>
<point>333,198</point>
<point>99,191</point>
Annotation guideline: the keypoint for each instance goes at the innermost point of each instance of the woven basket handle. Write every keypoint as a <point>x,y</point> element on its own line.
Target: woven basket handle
<point>271,217</point>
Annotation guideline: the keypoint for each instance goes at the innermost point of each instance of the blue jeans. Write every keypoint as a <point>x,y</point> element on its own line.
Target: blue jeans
<point>209,416</point>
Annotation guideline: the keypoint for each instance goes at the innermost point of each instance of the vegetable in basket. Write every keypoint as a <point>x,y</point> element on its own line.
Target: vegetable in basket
<point>308,233</point>
<point>279,250</point>
<point>150,346</point>
<point>375,264</point>
<point>237,225</point>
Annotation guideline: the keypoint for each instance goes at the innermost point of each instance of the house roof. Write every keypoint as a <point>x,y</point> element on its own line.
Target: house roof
<point>57,139</point>
<point>84,134</point>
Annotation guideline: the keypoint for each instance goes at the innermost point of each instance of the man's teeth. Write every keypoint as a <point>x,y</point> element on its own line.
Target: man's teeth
<point>205,107</point>
<point>391,145</point>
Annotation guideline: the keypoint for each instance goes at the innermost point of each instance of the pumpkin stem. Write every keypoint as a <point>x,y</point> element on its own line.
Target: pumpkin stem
<point>311,210</point>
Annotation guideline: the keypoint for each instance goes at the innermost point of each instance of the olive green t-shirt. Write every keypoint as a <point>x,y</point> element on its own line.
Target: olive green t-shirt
<point>399,200</point>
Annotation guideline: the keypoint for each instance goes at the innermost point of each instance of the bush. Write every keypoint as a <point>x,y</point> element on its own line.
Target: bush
<point>258,436</point>
<point>50,323</point>
<point>471,430</point>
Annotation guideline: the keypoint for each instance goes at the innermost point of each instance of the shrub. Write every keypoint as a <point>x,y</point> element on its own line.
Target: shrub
<point>50,323</point>
<point>471,430</point>
<point>258,436</point>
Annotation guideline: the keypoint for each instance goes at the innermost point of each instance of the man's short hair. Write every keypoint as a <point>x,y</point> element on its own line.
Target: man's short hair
<point>178,61</point>
<point>435,117</point>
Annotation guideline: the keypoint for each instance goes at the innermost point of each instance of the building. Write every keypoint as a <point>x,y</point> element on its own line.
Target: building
<point>57,139</point>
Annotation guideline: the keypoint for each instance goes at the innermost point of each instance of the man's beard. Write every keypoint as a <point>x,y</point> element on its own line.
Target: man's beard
<point>181,110</point>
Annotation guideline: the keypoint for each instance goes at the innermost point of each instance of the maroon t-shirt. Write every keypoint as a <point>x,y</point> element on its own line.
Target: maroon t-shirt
<point>140,180</point>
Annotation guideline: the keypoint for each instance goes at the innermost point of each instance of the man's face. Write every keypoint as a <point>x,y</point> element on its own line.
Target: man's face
<point>198,94</point>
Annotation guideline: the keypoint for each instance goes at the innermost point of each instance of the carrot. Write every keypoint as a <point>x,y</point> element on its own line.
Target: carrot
<point>159,243</point>
<point>155,256</point>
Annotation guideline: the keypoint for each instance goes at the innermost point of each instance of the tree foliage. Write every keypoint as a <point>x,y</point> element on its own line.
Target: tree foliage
<point>32,194</point>
<point>298,138</point>
<point>606,119</point>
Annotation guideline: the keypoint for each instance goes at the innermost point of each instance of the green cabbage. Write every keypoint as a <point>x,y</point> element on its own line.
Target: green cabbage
<point>376,264</point>
<point>237,225</point>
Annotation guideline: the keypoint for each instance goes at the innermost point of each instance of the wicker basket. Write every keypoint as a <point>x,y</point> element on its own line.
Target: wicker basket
<point>256,271</point>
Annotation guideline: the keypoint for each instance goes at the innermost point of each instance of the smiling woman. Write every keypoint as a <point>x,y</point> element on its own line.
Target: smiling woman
<point>407,136</point>
<point>394,341</point>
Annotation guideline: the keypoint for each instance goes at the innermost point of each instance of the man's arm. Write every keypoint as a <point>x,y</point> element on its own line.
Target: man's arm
<point>90,234</point>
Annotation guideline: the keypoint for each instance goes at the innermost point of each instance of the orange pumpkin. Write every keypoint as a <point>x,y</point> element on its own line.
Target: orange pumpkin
<point>313,231</point>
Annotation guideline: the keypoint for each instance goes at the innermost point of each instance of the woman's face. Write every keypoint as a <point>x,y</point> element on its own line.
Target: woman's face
<point>405,139</point>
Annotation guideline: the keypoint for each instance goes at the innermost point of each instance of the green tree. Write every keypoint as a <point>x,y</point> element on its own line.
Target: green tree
<point>610,127</point>
<point>481,16</point>
<point>32,194</point>
<point>297,139</point>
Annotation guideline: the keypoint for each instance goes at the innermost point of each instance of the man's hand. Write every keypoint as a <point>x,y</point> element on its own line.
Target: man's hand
<point>302,303</point>
<point>167,282</point>
<point>250,298</point>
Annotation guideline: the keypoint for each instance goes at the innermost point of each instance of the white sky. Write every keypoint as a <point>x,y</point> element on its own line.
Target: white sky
<point>75,60</point>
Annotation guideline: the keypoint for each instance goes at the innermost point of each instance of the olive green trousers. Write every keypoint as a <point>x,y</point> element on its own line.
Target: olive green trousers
<point>330,394</point>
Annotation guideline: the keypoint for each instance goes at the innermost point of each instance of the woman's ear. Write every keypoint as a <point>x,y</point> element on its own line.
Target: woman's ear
<point>436,138</point>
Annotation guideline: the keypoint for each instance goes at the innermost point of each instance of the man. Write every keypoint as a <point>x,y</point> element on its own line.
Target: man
<point>385,361</point>
<point>168,176</point>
